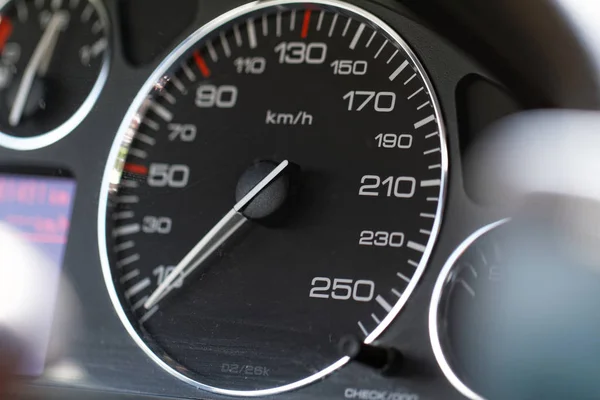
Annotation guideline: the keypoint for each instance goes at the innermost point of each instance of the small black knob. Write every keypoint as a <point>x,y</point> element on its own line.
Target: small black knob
<point>387,360</point>
<point>271,198</point>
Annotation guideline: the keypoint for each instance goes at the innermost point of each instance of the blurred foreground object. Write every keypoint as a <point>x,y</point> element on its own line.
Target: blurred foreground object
<point>37,305</point>
<point>553,152</point>
<point>525,324</point>
<point>26,303</point>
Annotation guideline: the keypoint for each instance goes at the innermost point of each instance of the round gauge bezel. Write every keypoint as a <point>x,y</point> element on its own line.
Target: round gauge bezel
<point>122,140</point>
<point>45,139</point>
<point>439,299</point>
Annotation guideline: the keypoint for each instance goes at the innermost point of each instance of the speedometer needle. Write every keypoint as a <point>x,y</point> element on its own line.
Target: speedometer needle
<point>227,226</point>
<point>38,63</point>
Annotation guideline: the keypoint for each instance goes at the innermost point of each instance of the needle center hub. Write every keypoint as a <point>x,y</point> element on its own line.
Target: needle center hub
<point>269,200</point>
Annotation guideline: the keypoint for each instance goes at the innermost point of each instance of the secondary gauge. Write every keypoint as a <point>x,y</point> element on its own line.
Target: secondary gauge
<point>53,65</point>
<point>514,301</point>
<point>460,313</point>
<point>277,184</point>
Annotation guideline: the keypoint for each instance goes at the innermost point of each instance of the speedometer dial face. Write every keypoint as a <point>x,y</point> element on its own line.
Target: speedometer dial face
<point>288,162</point>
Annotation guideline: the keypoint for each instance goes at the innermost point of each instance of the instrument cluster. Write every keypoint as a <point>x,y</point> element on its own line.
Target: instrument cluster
<point>259,197</point>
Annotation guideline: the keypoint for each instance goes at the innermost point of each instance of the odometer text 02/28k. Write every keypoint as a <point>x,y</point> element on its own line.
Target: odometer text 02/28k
<point>277,184</point>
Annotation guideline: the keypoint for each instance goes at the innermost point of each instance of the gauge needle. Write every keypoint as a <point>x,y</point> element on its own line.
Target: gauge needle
<point>39,62</point>
<point>49,53</point>
<point>222,231</point>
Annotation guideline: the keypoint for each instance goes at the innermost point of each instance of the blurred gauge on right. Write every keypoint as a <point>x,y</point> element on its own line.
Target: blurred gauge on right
<point>459,317</point>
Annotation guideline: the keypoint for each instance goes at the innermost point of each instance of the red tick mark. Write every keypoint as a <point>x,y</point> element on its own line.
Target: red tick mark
<point>6,28</point>
<point>204,70</point>
<point>305,24</point>
<point>136,169</point>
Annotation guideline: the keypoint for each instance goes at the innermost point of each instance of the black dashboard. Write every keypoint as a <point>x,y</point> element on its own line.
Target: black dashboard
<point>252,199</point>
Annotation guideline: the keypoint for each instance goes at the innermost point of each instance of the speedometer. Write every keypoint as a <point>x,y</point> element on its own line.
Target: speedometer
<point>277,184</point>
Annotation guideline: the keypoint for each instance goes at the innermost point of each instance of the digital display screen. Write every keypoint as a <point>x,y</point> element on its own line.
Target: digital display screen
<point>35,215</point>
